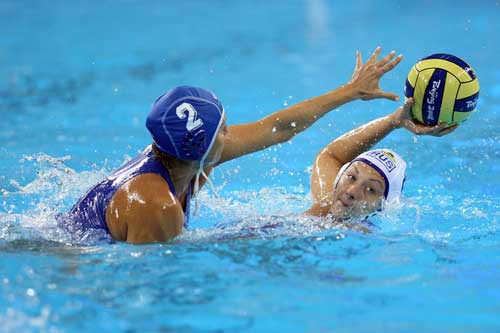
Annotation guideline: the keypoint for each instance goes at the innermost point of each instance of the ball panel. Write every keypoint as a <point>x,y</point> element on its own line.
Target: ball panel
<point>410,82</point>
<point>433,96</point>
<point>456,60</point>
<point>408,91</point>
<point>467,104</point>
<point>419,92</point>
<point>454,69</point>
<point>468,89</point>
<point>451,87</point>
<point>459,117</point>
<point>412,76</point>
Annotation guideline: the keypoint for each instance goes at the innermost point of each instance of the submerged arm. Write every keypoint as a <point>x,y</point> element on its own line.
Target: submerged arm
<point>283,125</point>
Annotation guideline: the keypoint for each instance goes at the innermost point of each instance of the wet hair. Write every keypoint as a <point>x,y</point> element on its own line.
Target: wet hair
<point>166,159</point>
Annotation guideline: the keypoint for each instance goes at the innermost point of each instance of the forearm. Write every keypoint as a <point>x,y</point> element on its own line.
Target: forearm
<point>288,122</point>
<point>281,126</point>
<point>348,146</point>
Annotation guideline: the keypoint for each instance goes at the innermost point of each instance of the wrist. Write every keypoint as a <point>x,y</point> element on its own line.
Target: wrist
<point>395,120</point>
<point>351,91</point>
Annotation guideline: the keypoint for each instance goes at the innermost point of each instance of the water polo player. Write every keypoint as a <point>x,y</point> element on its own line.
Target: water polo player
<point>148,198</point>
<point>350,181</point>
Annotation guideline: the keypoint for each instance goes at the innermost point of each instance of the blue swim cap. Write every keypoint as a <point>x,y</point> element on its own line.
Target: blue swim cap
<point>184,122</point>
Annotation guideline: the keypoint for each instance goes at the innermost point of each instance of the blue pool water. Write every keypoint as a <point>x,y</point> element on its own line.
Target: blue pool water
<point>76,80</point>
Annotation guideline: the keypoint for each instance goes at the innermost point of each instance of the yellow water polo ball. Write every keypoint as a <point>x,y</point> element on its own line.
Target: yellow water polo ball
<point>445,89</point>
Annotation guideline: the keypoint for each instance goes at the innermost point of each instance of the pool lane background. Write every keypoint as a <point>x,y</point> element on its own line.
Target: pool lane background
<point>77,79</point>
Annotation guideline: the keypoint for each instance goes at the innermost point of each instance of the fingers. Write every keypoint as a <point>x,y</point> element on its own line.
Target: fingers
<point>433,130</point>
<point>447,130</point>
<point>388,95</point>
<point>358,60</point>
<point>436,130</point>
<point>440,127</point>
<point>374,55</point>
<point>387,67</point>
<point>386,59</point>
<point>408,104</point>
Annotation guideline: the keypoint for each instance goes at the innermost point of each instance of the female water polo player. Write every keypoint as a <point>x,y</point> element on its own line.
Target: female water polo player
<point>148,198</point>
<point>349,181</point>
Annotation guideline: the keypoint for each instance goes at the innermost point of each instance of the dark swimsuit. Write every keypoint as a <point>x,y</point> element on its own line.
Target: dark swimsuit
<point>90,211</point>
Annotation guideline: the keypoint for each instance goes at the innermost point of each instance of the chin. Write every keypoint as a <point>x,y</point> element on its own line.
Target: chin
<point>338,210</point>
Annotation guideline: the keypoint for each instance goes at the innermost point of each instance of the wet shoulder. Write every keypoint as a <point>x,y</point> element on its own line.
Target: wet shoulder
<point>143,200</point>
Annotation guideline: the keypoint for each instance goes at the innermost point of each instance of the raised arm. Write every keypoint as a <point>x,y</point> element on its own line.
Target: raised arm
<point>281,126</point>
<point>345,148</point>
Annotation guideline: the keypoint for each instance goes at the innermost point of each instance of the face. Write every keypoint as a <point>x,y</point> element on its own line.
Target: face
<point>218,146</point>
<point>359,192</point>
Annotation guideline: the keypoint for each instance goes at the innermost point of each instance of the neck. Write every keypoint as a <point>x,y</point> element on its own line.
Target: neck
<point>181,172</point>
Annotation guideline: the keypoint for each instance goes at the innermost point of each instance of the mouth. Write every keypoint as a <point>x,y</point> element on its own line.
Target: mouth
<point>344,204</point>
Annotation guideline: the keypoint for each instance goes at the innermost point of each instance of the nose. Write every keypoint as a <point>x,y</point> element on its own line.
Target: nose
<point>352,193</point>
<point>350,196</point>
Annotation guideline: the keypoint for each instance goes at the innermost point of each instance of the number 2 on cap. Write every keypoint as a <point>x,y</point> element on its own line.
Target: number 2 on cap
<point>192,122</point>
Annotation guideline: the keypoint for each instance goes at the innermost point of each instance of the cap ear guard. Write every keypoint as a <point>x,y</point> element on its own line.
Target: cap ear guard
<point>339,175</point>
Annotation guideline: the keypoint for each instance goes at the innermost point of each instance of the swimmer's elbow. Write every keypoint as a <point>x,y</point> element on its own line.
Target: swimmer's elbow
<point>278,130</point>
<point>285,132</point>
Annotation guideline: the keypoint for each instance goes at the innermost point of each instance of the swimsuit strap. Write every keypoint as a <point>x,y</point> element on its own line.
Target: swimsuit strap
<point>166,175</point>
<point>188,205</point>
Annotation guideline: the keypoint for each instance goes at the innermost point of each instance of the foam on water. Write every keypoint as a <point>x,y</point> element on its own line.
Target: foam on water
<point>28,210</point>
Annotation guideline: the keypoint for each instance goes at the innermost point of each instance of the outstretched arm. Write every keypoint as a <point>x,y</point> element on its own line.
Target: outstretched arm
<point>281,126</point>
<point>345,148</point>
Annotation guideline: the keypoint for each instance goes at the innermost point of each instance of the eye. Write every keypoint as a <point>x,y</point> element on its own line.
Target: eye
<point>351,178</point>
<point>371,190</point>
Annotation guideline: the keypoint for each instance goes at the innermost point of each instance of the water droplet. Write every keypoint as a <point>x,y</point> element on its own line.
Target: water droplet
<point>136,254</point>
<point>30,292</point>
<point>293,124</point>
<point>274,129</point>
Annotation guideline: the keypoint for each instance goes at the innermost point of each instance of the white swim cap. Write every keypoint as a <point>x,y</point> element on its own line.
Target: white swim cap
<point>389,165</point>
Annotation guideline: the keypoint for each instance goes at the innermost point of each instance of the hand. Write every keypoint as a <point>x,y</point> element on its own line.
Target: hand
<point>365,79</point>
<point>403,118</point>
